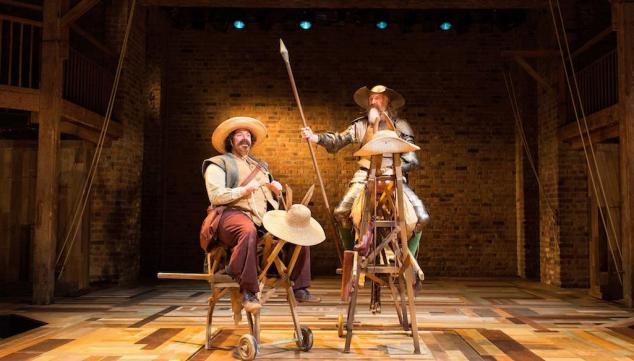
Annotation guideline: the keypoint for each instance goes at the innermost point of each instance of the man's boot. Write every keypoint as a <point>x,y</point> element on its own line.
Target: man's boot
<point>250,302</point>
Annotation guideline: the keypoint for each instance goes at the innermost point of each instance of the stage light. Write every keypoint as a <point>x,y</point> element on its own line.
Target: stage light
<point>239,24</point>
<point>305,24</point>
<point>446,26</point>
<point>381,25</point>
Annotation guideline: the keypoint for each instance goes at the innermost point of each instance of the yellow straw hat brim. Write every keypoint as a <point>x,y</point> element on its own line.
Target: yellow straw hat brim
<point>386,141</point>
<point>309,235</point>
<point>256,127</point>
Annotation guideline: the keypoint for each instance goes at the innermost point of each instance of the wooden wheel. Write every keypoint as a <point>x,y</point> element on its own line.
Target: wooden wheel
<point>307,339</point>
<point>340,326</point>
<point>247,347</point>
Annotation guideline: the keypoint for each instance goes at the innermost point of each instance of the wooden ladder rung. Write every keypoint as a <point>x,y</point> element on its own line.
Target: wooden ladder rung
<point>385,224</point>
<point>217,278</point>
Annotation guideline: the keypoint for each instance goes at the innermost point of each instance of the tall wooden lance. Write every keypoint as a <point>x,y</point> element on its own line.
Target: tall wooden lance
<point>284,53</point>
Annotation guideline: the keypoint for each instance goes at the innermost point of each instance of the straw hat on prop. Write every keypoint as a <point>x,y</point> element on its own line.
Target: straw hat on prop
<point>256,127</point>
<point>362,95</point>
<point>294,226</point>
<point>386,141</point>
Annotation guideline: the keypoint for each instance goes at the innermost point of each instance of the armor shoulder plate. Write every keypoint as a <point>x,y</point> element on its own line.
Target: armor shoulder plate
<point>361,118</point>
<point>404,128</point>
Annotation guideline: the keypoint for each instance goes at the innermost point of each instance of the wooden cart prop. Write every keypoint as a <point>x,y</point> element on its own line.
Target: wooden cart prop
<point>221,284</point>
<point>381,253</point>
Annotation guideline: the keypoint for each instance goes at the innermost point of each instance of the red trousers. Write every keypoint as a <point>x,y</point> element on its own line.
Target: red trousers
<point>238,231</point>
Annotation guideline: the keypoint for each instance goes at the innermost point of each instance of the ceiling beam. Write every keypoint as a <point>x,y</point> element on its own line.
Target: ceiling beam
<point>357,4</point>
<point>77,11</point>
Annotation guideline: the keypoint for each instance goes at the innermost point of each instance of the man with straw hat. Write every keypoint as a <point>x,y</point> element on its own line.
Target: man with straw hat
<point>381,104</point>
<point>241,189</point>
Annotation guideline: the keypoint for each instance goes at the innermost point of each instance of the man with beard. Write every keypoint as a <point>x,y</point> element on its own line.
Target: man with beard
<point>243,188</point>
<point>381,104</point>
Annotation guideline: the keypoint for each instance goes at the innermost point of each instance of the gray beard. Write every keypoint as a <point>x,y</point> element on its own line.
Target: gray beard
<point>374,114</point>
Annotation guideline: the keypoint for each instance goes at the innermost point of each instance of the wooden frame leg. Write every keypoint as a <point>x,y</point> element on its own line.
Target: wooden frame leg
<point>402,292</point>
<point>210,312</point>
<point>395,296</point>
<point>409,277</point>
<point>254,324</point>
<point>351,311</point>
<point>292,303</point>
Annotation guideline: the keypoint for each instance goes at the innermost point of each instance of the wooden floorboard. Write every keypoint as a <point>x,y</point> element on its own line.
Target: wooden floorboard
<point>458,319</point>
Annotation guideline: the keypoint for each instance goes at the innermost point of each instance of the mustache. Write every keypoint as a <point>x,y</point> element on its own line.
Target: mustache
<point>245,141</point>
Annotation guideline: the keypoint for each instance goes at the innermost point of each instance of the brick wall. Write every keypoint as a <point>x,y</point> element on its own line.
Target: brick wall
<point>456,103</point>
<point>564,217</point>
<point>526,157</point>
<point>152,225</point>
<point>116,208</point>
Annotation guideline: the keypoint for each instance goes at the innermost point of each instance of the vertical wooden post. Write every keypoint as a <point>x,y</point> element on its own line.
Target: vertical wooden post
<point>520,231</point>
<point>46,190</point>
<point>623,22</point>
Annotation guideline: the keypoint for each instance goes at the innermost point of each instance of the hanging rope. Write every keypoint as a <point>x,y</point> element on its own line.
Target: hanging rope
<point>519,124</point>
<point>83,198</point>
<point>577,102</point>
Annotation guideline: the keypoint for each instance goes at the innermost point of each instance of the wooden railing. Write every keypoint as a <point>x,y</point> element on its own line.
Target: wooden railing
<point>20,44</point>
<point>598,84</point>
<point>87,83</point>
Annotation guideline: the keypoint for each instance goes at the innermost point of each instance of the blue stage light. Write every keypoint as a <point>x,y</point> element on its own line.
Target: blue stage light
<point>305,24</point>
<point>446,26</point>
<point>382,25</point>
<point>239,24</point>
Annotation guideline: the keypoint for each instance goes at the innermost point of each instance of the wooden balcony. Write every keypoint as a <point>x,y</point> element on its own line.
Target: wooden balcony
<point>87,83</point>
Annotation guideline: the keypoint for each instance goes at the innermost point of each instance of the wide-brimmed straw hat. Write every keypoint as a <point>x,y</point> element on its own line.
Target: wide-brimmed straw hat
<point>362,95</point>
<point>294,226</point>
<point>256,127</point>
<point>385,141</point>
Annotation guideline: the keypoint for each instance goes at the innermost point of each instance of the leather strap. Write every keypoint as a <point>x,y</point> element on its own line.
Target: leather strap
<point>254,172</point>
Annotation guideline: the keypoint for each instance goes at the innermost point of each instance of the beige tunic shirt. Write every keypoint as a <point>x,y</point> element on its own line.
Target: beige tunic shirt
<point>254,205</point>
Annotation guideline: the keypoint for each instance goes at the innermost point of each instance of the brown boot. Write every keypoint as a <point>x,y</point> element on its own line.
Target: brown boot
<point>250,302</point>
<point>303,296</point>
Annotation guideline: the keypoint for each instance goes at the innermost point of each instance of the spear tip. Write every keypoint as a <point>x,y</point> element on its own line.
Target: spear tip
<point>283,50</point>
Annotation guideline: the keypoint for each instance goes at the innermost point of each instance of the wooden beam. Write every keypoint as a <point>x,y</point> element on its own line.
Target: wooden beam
<point>81,131</point>
<point>358,4</point>
<point>536,53</point>
<point>623,17</point>
<point>595,39</point>
<point>94,41</point>
<point>27,99</point>
<point>533,73</point>
<point>84,117</point>
<point>46,189</point>
<point>20,4</point>
<point>607,117</point>
<point>20,20</point>
<point>13,97</point>
<point>77,11</point>
<point>597,136</point>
